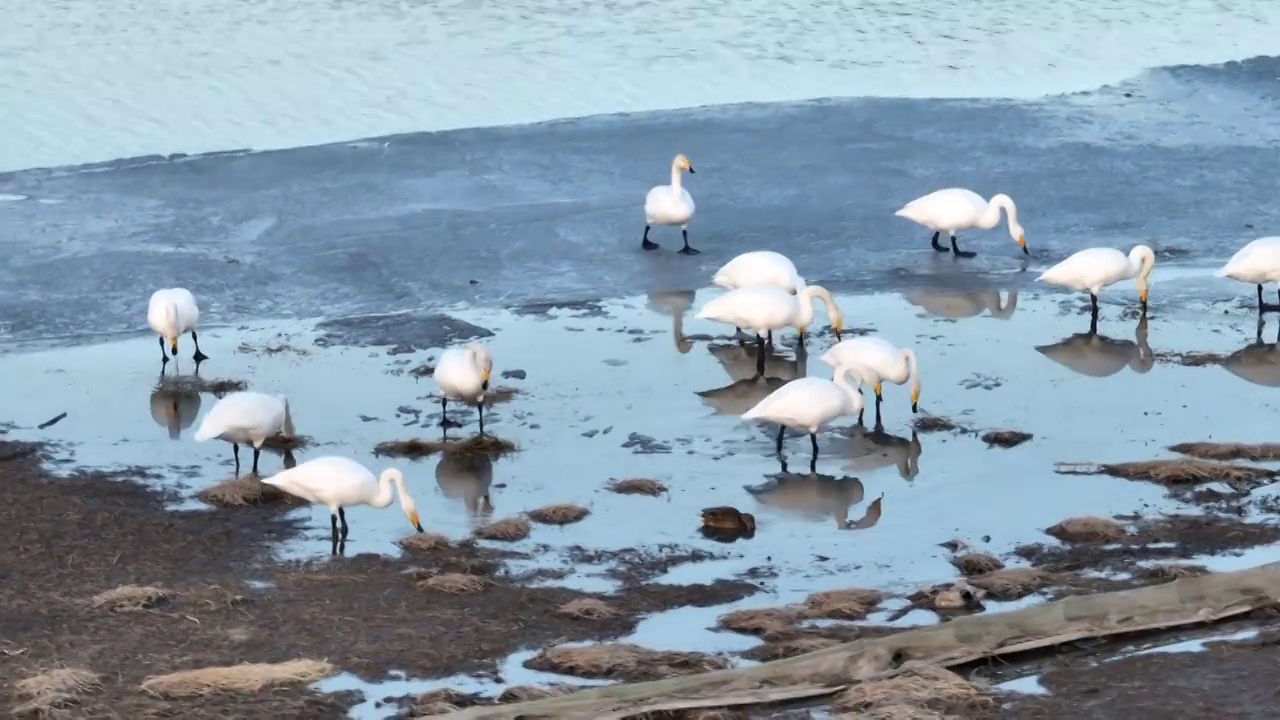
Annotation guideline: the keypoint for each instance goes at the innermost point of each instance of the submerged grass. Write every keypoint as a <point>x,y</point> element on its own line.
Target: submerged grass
<point>1006,438</point>
<point>1182,471</point>
<point>849,604</point>
<point>562,514</point>
<point>934,423</point>
<point>622,660</point>
<point>636,486</point>
<point>244,678</point>
<point>507,530</point>
<point>976,563</point>
<point>761,622</point>
<point>1257,452</point>
<point>423,542</point>
<point>587,608</point>
<point>195,384</point>
<point>1088,529</point>
<point>494,447</point>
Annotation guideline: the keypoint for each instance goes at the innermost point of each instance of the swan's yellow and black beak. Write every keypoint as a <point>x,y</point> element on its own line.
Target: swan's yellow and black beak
<point>485,384</point>
<point>691,172</point>
<point>413,518</point>
<point>836,326</point>
<point>173,345</point>
<point>1142,298</point>
<point>915,402</point>
<point>1022,242</point>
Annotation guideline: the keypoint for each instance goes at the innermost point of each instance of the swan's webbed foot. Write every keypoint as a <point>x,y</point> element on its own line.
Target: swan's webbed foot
<point>199,357</point>
<point>686,250</point>
<point>645,242</point>
<point>955,249</point>
<point>936,245</point>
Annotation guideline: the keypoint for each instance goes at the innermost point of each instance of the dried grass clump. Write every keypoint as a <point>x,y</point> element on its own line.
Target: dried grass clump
<point>1012,583</point>
<point>244,678</point>
<point>761,622</point>
<point>1005,438</point>
<point>1088,529</point>
<point>192,383</point>
<point>976,563</point>
<point>789,648</point>
<point>281,443</point>
<point>455,583</point>
<point>51,693</point>
<point>850,604</point>
<point>413,449</point>
<point>933,423</point>
<point>130,598</point>
<point>489,445</point>
<point>246,490</point>
<point>422,542</point>
<point>502,394</point>
<point>1183,471</point>
<point>508,530</point>
<point>1166,572</point>
<point>1191,359</point>
<point>920,687</point>
<point>1257,452</point>
<point>587,608</point>
<point>525,693</point>
<point>636,486</point>
<point>622,660</point>
<point>562,514</point>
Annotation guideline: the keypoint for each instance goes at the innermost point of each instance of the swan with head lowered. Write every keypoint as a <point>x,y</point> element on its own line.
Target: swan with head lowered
<point>763,309</point>
<point>339,483</point>
<point>670,205</point>
<point>1095,268</point>
<point>759,267</point>
<point>463,375</point>
<point>247,418</point>
<point>880,361</point>
<point>808,403</point>
<point>1257,263</point>
<point>954,209</point>
<point>172,312</point>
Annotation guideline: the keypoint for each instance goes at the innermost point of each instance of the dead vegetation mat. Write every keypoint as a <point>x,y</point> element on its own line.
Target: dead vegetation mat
<point>134,592</point>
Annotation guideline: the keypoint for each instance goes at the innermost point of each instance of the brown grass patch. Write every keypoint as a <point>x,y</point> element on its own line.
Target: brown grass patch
<point>1183,471</point>
<point>587,608</point>
<point>762,622</point>
<point>1005,438</point>
<point>508,530</point>
<point>977,563</point>
<point>850,604</point>
<point>455,583</point>
<point>494,396</point>
<point>280,443</point>
<point>1257,452</point>
<point>494,447</point>
<point>52,693</point>
<point>1012,583</point>
<point>1191,359</point>
<point>525,693</point>
<point>422,542</point>
<point>1166,572</point>
<point>130,598</point>
<point>244,678</point>
<point>562,514</point>
<point>636,486</point>
<point>1088,529</point>
<point>919,687</point>
<point>212,386</point>
<point>789,648</point>
<point>933,423</point>
<point>247,490</point>
<point>622,660</point>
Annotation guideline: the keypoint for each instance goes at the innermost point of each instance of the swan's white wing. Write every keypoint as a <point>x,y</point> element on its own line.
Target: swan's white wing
<point>254,414</point>
<point>329,480</point>
<point>803,402</point>
<point>188,310</point>
<point>759,267</point>
<point>1258,261</point>
<point>1089,269</point>
<point>946,209</point>
<point>757,308</point>
<point>872,353</point>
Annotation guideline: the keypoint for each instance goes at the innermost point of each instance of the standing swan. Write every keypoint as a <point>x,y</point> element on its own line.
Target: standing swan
<point>670,205</point>
<point>1095,268</point>
<point>463,374</point>
<point>808,403</point>
<point>1257,263</point>
<point>340,483</point>
<point>170,313</point>
<point>955,209</point>
<point>879,361</point>
<point>759,267</point>
<point>763,309</point>
<point>247,418</point>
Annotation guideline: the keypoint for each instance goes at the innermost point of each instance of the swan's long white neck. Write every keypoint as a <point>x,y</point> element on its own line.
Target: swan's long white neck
<point>805,298</point>
<point>909,359</point>
<point>991,217</point>
<point>675,178</point>
<point>1141,261</point>
<point>384,496</point>
<point>854,398</point>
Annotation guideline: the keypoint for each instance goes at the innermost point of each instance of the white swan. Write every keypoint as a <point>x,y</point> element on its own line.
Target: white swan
<point>1257,263</point>
<point>763,309</point>
<point>759,267</point>
<point>955,209</point>
<point>1095,268</point>
<point>341,483</point>
<point>463,375</point>
<point>880,360</point>
<point>170,313</point>
<point>246,418</point>
<point>808,403</point>
<point>670,205</point>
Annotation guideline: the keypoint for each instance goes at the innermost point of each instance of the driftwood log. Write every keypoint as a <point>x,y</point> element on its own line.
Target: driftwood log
<point>1204,599</point>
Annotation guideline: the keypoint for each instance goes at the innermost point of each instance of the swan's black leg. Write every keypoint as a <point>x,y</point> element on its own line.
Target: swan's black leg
<point>342,517</point>
<point>759,356</point>
<point>813,462</point>
<point>256,454</point>
<point>936,245</point>
<point>778,445</point>
<point>235,452</point>
<point>768,338</point>
<point>955,249</point>
<point>878,399</point>
<point>481,418</point>
<point>445,422</point>
<point>333,521</point>
<point>199,357</point>
<point>1265,306</point>
<point>164,356</point>
<point>1093,323</point>
<point>645,242</point>
<point>1093,304</point>
<point>686,250</point>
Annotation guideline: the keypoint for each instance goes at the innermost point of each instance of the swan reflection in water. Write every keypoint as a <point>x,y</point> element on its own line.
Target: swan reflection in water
<point>1100,356</point>
<point>748,388</point>
<point>960,304</point>
<point>467,477</point>
<point>175,409</point>
<point>674,303</point>
<point>870,450</point>
<point>811,496</point>
<point>1258,362</point>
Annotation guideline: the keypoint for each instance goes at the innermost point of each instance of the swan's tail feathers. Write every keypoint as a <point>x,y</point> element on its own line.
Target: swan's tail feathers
<point>287,430</point>
<point>755,412</point>
<point>207,431</point>
<point>1223,271</point>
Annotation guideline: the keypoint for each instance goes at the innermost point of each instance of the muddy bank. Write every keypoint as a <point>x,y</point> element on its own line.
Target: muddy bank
<point>122,591</point>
